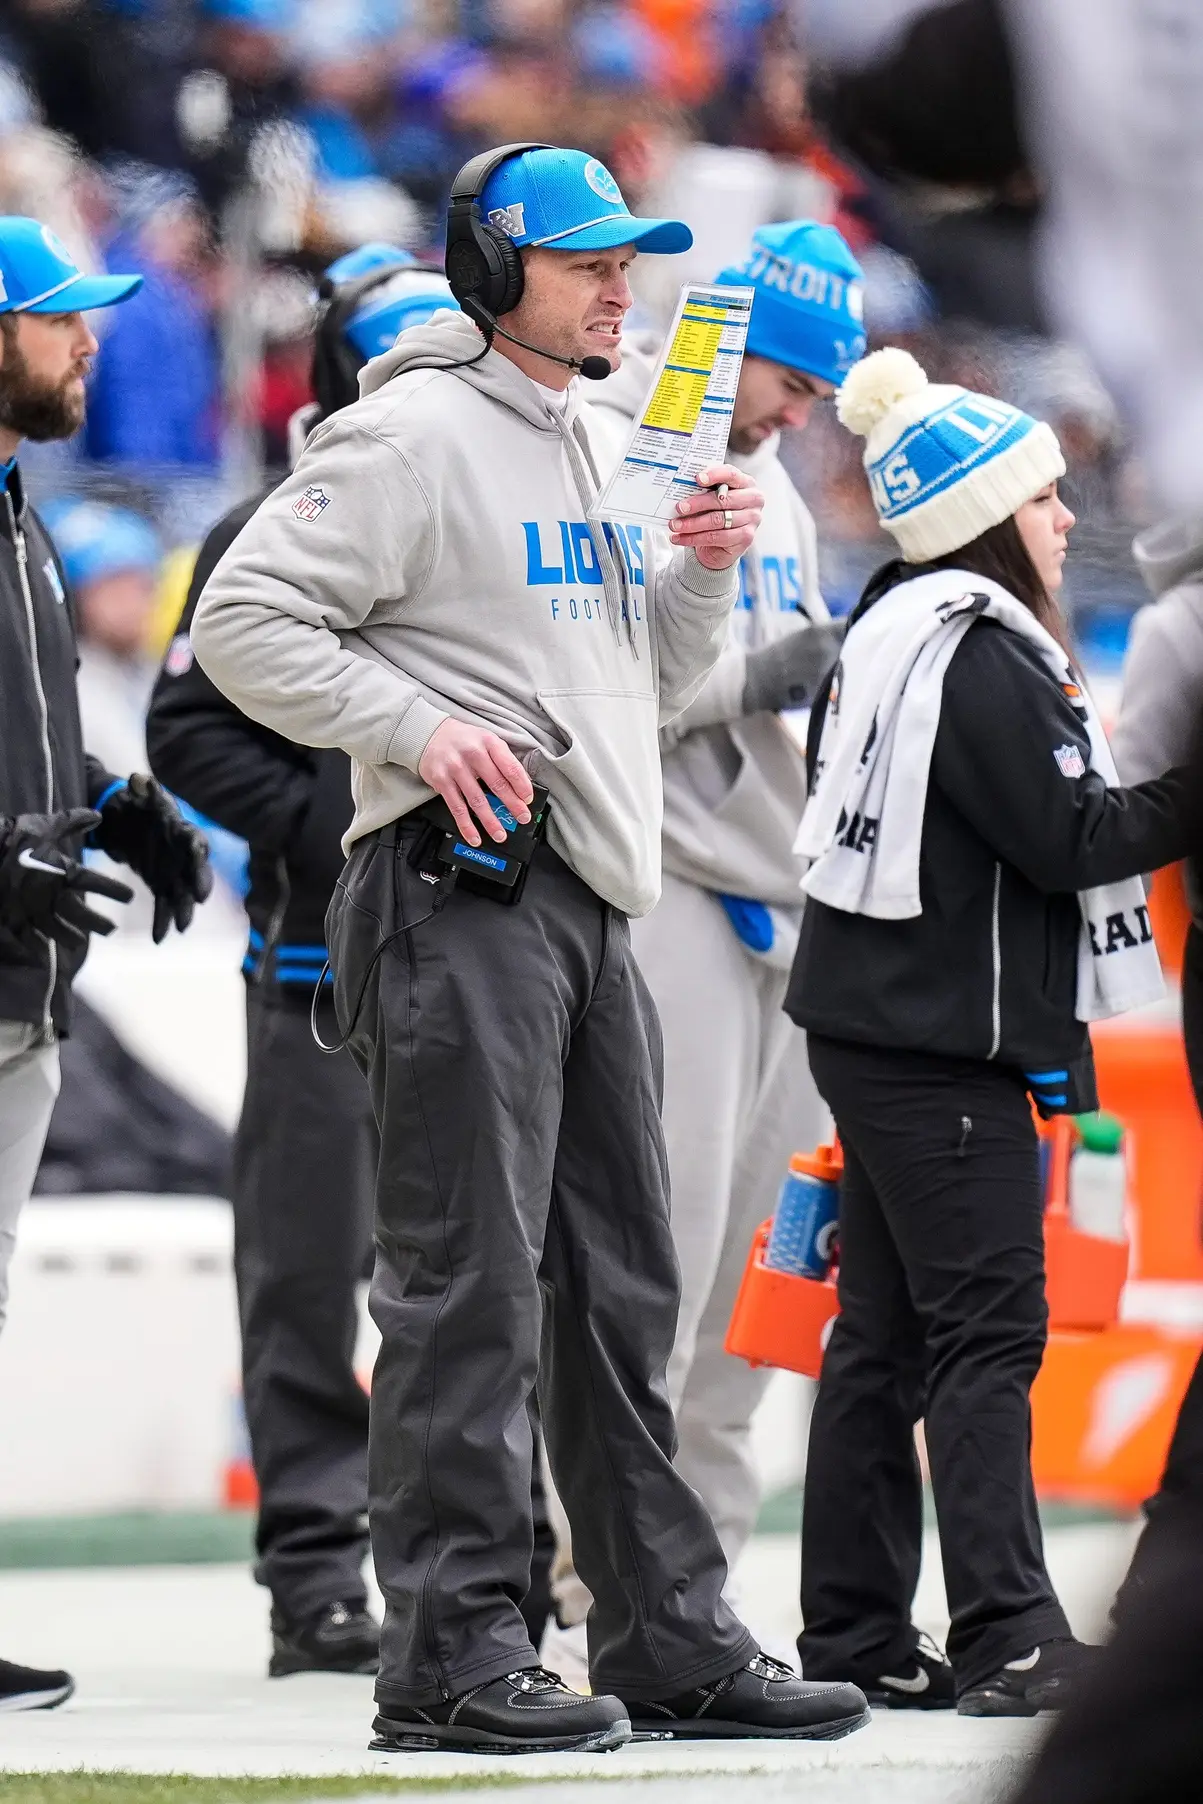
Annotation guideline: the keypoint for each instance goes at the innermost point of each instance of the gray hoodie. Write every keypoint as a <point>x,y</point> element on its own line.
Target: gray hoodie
<point>735,784</point>
<point>430,556</point>
<point>1162,700</point>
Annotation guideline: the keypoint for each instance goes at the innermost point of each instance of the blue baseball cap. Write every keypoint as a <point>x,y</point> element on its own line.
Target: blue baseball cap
<point>410,296</point>
<point>37,274</point>
<point>95,540</point>
<point>809,307</point>
<point>361,262</point>
<point>569,201</point>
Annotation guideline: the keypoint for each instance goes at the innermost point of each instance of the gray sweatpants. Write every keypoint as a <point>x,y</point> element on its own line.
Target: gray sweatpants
<point>29,1082</point>
<point>738,1100</point>
<point>522,1234</point>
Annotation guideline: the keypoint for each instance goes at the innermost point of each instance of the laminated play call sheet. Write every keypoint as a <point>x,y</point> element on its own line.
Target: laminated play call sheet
<point>686,418</point>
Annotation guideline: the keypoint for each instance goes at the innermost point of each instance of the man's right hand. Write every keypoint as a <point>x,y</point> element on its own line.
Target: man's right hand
<point>462,762</point>
<point>42,886</point>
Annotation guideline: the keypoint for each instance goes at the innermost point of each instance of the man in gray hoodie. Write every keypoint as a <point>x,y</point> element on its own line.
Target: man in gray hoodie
<point>1159,725</point>
<point>426,591</point>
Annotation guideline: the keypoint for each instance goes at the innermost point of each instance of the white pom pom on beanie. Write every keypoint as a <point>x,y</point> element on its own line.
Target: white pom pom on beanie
<point>943,463</point>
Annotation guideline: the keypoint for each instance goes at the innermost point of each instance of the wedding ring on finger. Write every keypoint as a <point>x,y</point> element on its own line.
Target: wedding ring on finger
<point>727,519</point>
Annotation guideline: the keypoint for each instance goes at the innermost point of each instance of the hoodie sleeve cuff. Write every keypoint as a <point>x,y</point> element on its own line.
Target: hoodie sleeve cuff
<point>704,582</point>
<point>413,733</point>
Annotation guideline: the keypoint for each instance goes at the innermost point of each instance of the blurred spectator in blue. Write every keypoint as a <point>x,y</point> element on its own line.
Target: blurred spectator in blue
<point>347,51</point>
<point>434,134</point>
<point>156,389</point>
<point>111,559</point>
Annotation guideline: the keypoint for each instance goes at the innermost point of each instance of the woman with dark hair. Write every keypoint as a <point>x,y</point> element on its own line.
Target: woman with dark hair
<point>974,900</point>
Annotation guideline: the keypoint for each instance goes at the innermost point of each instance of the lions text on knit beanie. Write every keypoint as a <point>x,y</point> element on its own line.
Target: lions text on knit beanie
<point>943,464</point>
<point>809,308</point>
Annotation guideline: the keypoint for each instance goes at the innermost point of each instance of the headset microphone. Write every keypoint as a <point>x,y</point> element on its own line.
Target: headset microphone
<point>594,369</point>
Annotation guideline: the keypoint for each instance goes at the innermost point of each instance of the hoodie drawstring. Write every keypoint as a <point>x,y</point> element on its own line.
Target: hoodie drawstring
<point>619,601</point>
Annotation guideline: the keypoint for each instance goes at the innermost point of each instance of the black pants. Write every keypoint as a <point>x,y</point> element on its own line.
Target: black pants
<point>522,1232</point>
<point>304,1171</point>
<point>1133,1734</point>
<point>1180,1492</point>
<point>943,1316</point>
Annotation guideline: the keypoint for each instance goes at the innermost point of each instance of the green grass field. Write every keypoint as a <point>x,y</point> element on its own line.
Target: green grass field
<point>178,1788</point>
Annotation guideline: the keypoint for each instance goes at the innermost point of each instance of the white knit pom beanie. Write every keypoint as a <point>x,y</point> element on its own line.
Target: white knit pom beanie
<point>943,463</point>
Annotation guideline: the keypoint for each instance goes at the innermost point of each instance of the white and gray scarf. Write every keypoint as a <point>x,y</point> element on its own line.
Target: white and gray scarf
<point>874,760</point>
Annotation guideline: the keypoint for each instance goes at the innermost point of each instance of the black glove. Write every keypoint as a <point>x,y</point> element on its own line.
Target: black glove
<point>42,886</point>
<point>141,826</point>
<point>787,673</point>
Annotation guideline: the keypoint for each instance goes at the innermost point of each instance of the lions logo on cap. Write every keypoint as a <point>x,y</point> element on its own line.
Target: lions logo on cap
<point>55,245</point>
<point>602,182</point>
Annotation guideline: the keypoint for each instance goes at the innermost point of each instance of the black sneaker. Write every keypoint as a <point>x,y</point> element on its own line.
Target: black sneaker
<point>527,1712</point>
<point>763,1698</point>
<point>25,1688</point>
<point>925,1682</point>
<point>339,1638</point>
<point>1044,1679</point>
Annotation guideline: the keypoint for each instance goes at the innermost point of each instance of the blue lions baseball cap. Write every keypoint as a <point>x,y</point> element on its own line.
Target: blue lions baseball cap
<point>96,540</point>
<point>809,306</point>
<point>410,296</point>
<point>569,201</point>
<point>37,274</point>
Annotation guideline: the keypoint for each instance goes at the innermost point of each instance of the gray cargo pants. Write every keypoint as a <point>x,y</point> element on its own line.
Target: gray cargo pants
<point>522,1235</point>
<point>29,1084</point>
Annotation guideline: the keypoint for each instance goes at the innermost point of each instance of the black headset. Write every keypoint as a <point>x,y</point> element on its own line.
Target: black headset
<point>483,265</point>
<point>336,362</point>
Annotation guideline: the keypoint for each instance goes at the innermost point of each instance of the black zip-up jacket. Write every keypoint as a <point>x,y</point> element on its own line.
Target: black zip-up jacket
<point>989,968</point>
<point>291,804</point>
<point>43,769</point>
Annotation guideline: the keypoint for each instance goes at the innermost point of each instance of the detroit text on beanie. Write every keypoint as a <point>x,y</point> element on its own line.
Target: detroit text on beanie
<point>944,464</point>
<point>809,307</point>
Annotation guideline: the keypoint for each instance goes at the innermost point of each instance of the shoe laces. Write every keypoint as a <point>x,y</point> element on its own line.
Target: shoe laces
<point>765,1667</point>
<point>928,1649</point>
<point>535,1678</point>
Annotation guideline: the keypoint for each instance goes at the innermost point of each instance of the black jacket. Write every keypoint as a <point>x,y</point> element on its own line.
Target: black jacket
<point>989,968</point>
<point>42,764</point>
<point>291,804</point>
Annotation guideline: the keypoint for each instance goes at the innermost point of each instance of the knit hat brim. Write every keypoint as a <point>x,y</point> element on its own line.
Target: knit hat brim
<point>983,497</point>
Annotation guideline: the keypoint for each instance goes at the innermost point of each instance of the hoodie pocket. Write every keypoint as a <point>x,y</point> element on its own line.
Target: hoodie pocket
<point>606,789</point>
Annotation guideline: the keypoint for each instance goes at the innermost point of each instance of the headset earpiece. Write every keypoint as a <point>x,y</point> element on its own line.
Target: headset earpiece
<point>336,363</point>
<point>483,265</point>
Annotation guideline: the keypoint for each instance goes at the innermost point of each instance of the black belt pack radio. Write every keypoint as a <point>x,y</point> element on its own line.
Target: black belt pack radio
<point>493,869</point>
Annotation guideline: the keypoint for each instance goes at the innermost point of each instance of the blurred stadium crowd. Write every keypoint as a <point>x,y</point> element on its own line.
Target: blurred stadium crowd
<point>229,149</point>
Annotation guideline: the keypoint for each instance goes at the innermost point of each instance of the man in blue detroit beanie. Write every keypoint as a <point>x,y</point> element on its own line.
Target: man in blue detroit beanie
<point>716,950</point>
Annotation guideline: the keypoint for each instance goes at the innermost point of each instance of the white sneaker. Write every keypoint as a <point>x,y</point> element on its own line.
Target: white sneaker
<point>566,1651</point>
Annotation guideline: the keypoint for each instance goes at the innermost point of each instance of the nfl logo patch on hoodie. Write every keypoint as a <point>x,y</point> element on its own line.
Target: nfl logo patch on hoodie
<point>311,502</point>
<point>1070,761</point>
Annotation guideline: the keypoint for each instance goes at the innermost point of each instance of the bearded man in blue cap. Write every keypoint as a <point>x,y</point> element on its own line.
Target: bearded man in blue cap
<point>717,948</point>
<point>53,798</point>
<point>428,592</point>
